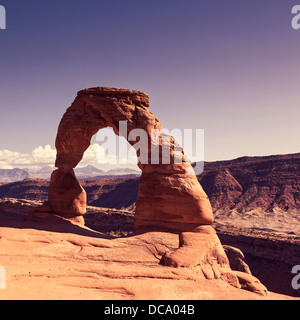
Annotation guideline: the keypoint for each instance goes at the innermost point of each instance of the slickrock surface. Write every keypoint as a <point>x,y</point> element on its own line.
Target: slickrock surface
<point>65,261</point>
<point>259,247</point>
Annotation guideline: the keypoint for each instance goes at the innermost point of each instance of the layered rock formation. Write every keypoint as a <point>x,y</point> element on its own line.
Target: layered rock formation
<point>243,184</point>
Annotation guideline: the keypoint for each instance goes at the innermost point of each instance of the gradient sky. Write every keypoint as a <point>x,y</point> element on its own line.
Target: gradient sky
<point>230,67</point>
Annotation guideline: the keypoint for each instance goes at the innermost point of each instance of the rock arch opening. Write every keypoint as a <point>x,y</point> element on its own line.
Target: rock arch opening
<point>114,151</point>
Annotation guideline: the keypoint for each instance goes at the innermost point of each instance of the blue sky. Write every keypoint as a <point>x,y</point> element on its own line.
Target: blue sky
<point>230,67</point>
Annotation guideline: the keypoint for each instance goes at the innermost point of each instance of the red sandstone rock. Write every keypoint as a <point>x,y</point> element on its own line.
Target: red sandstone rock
<point>201,247</point>
<point>236,259</point>
<point>166,192</point>
<point>250,283</point>
<point>66,196</point>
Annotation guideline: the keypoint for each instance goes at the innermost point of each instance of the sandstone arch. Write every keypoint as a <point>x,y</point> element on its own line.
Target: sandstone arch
<point>168,198</point>
<point>166,193</point>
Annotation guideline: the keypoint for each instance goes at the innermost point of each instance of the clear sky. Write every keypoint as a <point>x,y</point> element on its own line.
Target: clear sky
<point>230,67</point>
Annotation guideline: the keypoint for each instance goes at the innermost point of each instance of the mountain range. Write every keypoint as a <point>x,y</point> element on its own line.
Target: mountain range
<point>13,175</point>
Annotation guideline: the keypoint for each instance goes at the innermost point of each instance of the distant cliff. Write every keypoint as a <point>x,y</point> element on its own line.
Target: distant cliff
<point>247,183</point>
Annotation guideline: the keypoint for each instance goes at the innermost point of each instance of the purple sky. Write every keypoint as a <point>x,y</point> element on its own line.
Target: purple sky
<point>230,67</point>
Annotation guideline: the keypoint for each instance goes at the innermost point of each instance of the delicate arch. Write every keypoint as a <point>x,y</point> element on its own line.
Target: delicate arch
<point>166,193</point>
